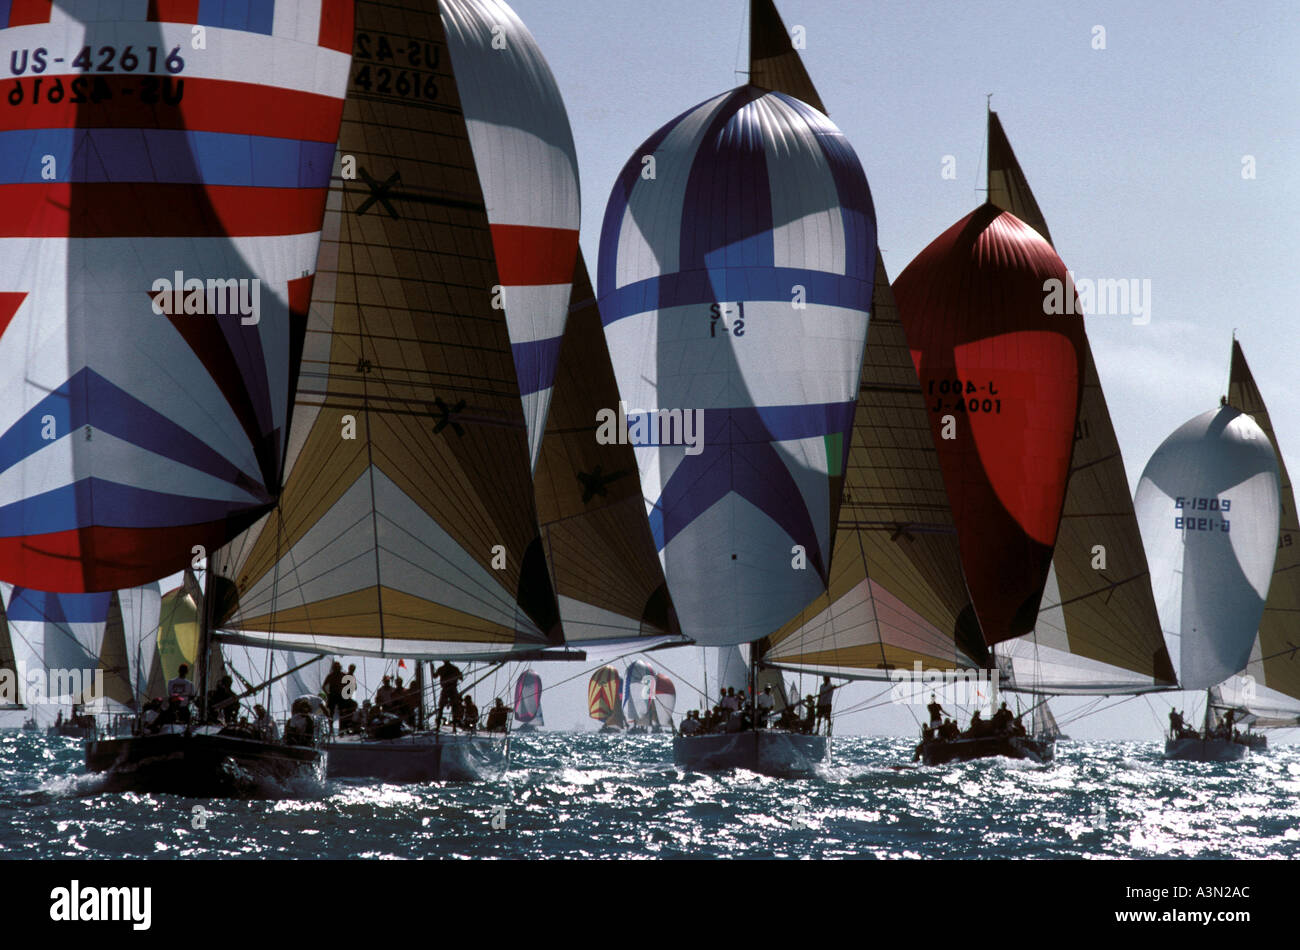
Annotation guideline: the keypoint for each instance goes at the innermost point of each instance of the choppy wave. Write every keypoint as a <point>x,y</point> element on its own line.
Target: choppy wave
<point>593,796</point>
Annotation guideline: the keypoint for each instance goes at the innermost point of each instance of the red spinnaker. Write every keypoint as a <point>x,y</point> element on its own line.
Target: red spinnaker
<point>1005,374</point>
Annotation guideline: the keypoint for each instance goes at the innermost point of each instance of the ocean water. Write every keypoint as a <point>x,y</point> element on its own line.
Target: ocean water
<point>594,796</point>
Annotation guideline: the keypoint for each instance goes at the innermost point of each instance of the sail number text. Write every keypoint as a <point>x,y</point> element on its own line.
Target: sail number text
<point>104,59</point>
<point>1188,523</point>
<point>409,74</point>
<point>966,396</point>
<point>727,317</point>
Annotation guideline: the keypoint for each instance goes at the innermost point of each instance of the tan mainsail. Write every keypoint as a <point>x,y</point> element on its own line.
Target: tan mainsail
<point>1007,186</point>
<point>113,657</point>
<point>1275,659</point>
<point>1098,629</point>
<point>896,595</point>
<point>602,555</point>
<point>773,62</point>
<point>406,525</point>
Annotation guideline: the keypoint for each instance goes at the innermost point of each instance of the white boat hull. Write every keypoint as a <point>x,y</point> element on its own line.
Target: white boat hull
<point>424,757</point>
<point>1205,750</point>
<point>772,752</point>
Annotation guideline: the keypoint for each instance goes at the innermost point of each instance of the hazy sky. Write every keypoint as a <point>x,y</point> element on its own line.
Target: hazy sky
<point>1135,154</point>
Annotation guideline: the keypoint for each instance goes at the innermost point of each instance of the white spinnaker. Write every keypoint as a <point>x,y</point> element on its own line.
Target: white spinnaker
<point>1208,506</point>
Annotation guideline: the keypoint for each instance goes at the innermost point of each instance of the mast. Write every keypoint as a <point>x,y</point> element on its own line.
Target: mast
<point>896,593</point>
<point>1097,629</point>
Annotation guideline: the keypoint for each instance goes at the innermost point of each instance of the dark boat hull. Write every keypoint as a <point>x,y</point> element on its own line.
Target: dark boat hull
<point>940,751</point>
<point>771,752</point>
<point>424,757</point>
<point>201,764</point>
<point>1205,750</point>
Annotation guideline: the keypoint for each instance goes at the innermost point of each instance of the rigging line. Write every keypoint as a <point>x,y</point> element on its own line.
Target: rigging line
<point>683,679</point>
<point>588,671</point>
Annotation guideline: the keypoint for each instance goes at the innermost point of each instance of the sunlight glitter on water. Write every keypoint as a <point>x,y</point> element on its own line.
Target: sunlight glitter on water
<point>612,796</point>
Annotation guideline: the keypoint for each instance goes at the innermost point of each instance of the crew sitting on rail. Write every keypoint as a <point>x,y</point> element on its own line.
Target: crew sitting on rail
<point>469,716</point>
<point>498,717</point>
<point>691,724</point>
<point>949,730</point>
<point>788,720</point>
<point>266,728</point>
<point>384,695</point>
<point>224,690</point>
<point>809,723</point>
<point>300,730</point>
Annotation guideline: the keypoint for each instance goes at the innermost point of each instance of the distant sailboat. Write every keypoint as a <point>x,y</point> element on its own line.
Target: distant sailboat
<point>709,284</point>
<point>1209,508</point>
<point>639,697</point>
<point>528,702</point>
<point>605,699</point>
<point>1268,695</point>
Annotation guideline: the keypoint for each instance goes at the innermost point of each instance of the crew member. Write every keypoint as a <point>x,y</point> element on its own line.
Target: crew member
<point>181,692</point>
<point>824,702</point>
<point>498,716</point>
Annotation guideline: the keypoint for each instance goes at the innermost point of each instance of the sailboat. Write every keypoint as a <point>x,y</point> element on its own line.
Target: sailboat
<point>11,688</point>
<point>735,257</point>
<point>1097,631</point>
<point>88,647</point>
<point>152,299</point>
<point>407,526</point>
<point>528,702</point>
<point>897,599</point>
<point>1267,695</point>
<point>1209,507</point>
<point>605,699</point>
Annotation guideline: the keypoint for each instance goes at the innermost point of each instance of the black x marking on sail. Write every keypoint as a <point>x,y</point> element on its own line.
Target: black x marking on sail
<point>900,531</point>
<point>379,193</point>
<point>444,416</point>
<point>594,484</point>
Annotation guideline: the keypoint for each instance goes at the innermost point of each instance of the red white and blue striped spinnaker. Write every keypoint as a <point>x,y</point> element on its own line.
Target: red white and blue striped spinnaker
<point>140,140</point>
<point>528,169</point>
